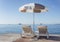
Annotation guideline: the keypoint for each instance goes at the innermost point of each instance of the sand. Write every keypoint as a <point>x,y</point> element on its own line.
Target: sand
<point>17,38</point>
<point>9,37</point>
<point>52,38</point>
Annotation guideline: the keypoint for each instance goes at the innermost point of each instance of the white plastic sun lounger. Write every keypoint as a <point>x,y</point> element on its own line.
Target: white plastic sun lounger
<point>43,31</point>
<point>27,32</point>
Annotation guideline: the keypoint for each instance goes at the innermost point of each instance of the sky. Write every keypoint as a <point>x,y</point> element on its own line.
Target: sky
<point>9,12</point>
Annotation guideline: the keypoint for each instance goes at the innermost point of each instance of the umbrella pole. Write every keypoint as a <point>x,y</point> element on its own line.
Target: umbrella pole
<point>33,20</point>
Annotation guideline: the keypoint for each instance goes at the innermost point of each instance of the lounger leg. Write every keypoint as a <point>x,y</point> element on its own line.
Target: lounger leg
<point>38,36</point>
<point>47,36</point>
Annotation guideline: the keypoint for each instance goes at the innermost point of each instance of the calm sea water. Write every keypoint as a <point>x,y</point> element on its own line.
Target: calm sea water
<point>14,28</point>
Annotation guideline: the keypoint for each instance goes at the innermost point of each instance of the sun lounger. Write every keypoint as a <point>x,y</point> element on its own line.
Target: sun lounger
<point>27,32</point>
<point>43,31</point>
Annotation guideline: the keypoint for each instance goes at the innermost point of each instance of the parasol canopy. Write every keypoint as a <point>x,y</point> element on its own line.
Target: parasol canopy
<point>33,7</point>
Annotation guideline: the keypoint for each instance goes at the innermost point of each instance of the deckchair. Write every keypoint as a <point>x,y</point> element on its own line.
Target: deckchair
<point>43,31</point>
<point>28,32</point>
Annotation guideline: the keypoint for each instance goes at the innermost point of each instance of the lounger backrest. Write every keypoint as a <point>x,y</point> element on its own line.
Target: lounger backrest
<point>42,29</point>
<point>27,29</point>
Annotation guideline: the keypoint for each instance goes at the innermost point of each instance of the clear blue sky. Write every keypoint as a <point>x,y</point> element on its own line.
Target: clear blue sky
<point>9,13</point>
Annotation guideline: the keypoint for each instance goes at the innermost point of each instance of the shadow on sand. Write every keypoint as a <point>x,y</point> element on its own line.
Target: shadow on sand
<point>55,38</point>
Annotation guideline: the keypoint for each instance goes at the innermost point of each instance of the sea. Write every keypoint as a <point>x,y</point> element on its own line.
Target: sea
<point>17,28</point>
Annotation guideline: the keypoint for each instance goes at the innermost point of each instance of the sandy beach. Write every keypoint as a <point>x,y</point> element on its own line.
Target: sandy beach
<point>17,38</point>
<point>9,37</point>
